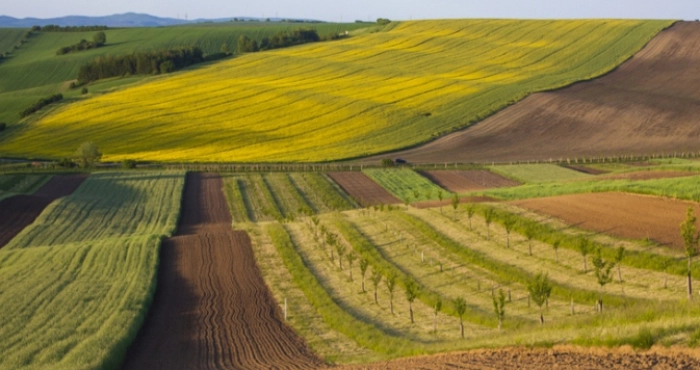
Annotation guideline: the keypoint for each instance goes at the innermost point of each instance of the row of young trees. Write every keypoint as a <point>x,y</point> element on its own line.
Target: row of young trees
<point>97,41</point>
<point>155,62</point>
<point>40,104</point>
<point>56,28</point>
<point>282,39</point>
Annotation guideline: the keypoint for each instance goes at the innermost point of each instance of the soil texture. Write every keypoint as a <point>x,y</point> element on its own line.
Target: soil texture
<point>212,308</point>
<point>362,188</point>
<point>463,181</point>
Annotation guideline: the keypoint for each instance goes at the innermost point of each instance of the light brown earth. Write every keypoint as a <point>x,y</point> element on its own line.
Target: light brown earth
<point>20,211</point>
<point>625,215</point>
<point>585,169</point>
<point>649,105</point>
<point>463,181</point>
<point>570,358</point>
<point>362,188</point>
<point>212,309</point>
<point>448,202</point>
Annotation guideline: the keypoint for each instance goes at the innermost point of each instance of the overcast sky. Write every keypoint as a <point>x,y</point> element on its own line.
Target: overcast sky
<point>350,10</point>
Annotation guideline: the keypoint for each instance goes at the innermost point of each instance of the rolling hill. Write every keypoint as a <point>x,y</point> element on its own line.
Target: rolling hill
<point>650,105</point>
<point>368,94</point>
<point>34,71</point>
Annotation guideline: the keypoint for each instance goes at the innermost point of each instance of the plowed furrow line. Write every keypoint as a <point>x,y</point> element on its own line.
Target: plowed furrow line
<point>212,309</point>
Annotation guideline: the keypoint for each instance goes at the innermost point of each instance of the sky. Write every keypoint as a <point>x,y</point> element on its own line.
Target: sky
<point>351,10</point>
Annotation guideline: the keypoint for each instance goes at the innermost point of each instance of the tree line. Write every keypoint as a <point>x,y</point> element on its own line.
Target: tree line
<point>97,41</point>
<point>145,63</point>
<point>281,39</point>
<point>56,28</point>
<point>40,104</point>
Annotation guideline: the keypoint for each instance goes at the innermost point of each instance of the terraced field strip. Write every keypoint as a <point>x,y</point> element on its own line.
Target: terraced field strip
<point>369,94</point>
<point>362,188</point>
<point>648,175</point>
<point>19,211</point>
<point>78,281</point>
<point>464,181</point>
<point>624,215</point>
<point>538,173</point>
<point>406,184</point>
<point>277,196</point>
<point>212,309</point>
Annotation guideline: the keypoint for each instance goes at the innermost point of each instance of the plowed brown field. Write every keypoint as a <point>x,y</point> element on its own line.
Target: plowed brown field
<point>624,215</point>
<point>539,359</point>
<point>212,309</point>
<point>362,188</point>
<point>462,181</point>
<point>20,211</point>
<point>650,104</point>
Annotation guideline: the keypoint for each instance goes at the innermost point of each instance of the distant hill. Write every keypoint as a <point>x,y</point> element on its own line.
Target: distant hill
<point>115,20</point>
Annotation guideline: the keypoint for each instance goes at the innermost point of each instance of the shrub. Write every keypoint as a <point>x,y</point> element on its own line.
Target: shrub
<point>383,21</point>
<point>387,162</point>
<point>129,163</point>
<point>3,125</point>
<point>40,104</point>
<point>66,162</point>
<point>84,90</point>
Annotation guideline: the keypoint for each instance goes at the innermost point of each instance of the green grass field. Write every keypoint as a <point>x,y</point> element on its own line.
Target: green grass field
<point>407,184</point>
<point>418,80</point>
<point>78,282</point>
<point>21,183</point>
<point>34,71</point>
<point>538,173</point>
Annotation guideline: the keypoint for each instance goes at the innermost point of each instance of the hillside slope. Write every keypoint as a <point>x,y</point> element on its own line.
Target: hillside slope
<point>650,105</point>
<point>329,101</point>
<point>34,71</point>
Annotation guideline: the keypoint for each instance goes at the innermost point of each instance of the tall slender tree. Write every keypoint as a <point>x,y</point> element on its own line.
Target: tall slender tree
<point>364,264</point>
<point>351,257</point>
<point>508,224</point>
<point>540,289</point>
<point>471,209</point>
<point>499,304</point>
<point>619,255</point>
<point>460,306</point>
<point>412,290</point>
<point>438,308</point>
<point>455,204</point>
<point>690,241</point>
<point>603,275</point>
<point>584,247</point>
<point>390,282</point>
<point>488,218</point>
<point>376,278</point>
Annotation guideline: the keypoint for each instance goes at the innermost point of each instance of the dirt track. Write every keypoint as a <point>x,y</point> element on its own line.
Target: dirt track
<point>20,211</point>
<point>650,104</point>
<point>625,215</point>
<point>212,309</point>
<point>539,359</point>
<point>362,188</point>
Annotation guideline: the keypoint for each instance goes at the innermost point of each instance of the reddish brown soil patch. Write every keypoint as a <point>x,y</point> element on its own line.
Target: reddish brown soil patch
<point>624,215</point>
<point>362,188</point>
<point>538,359</point>
<point>650,175</point>
<point>20,211</point>
<point>448,203</point>
<point>463,181</point>
<point>584,169</point>
<point>212,309</point>
<point>648,105</point>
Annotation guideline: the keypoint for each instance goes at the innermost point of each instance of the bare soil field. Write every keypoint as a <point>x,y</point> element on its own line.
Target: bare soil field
<point>648,105</point>
<point>212,309</point>
<point>463,181</point>
<point>625,215</point>
<point>555,358</point>
<point>649,175</point>
<point>362,188</point>
<point>20,211</point>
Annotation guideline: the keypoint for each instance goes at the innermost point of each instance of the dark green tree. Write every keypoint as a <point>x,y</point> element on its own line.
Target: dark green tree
<point>87,154</point>
<point>99,38</point>
<point>412,290</point>
<point>540,289</point>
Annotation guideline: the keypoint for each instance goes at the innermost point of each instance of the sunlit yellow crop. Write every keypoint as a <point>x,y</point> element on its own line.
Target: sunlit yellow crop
<point>364,95</point>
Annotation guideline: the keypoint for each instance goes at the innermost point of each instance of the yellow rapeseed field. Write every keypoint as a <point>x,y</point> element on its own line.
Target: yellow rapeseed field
<point>332,100</point>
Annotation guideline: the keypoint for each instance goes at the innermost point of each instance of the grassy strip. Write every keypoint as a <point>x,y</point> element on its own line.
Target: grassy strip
<point>537,173</point>
<point>506,272</point>
<point>288,189</point>
<point>236,201</point>
<point>681,188</point>
<point>365,334</point>
<point>407,184</point>
<point>271,208</point>
<point>22,183</point>
<point>548,234</point>
<point>367,249</point>
<point>329,193</point>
